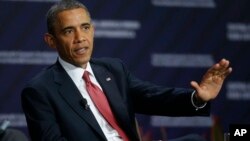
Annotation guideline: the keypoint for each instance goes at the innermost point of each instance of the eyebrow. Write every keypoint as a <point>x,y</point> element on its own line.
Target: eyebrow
<point>71,27</point>
<point>84,24</point>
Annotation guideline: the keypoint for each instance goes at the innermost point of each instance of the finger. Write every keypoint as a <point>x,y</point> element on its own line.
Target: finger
<point>227,72</point>
<point>224,64</point>
<point>224,68</point>
<point>221,69</point>
<point>195,85</point>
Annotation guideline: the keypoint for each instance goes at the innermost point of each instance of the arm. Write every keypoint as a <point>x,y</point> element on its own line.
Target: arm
<point>40,117</point>
<point>151,99</point>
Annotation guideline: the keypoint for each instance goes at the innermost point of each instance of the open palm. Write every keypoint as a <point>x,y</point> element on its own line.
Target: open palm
<point>212,81</point>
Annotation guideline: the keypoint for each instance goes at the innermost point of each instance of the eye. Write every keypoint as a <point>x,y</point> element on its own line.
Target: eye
<point>68,31</point>
<point>86,27</point>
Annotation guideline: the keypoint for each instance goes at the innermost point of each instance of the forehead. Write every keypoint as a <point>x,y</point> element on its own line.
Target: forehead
<point>72,16</point>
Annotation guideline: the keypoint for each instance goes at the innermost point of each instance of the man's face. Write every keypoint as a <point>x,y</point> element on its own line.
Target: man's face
<point>73,36</point>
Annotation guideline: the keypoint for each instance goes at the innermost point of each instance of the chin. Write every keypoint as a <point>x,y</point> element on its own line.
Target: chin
<point>83,62</point>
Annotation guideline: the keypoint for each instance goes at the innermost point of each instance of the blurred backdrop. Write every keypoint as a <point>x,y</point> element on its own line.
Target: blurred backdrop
<point>168,42</point>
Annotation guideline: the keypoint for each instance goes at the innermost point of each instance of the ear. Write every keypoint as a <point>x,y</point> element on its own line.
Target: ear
<point>50,40</point>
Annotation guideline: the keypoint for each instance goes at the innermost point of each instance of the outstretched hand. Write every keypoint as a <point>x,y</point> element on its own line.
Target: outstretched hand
<point>212,81</point>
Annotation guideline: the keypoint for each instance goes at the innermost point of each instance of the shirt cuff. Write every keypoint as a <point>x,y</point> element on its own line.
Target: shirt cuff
<point>197,105</point>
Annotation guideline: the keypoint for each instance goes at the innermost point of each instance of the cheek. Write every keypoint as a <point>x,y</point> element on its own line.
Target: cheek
<point>64,48</point>
<point>66,45</point>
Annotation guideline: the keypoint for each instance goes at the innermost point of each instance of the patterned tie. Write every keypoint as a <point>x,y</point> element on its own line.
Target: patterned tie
<point>102,104</point>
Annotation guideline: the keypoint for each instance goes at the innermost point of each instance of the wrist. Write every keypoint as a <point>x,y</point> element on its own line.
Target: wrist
<point>197,102</point>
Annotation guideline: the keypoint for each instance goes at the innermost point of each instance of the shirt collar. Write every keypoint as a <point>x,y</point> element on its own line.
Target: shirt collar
<point>74,71</point>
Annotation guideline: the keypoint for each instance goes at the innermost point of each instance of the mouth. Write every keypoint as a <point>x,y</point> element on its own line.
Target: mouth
<point>80,51</point>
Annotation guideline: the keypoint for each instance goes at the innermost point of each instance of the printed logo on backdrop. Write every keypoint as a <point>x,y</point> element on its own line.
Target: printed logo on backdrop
<point>185,3</point>
<point>238,91</point>
<point>238,32</point>
<point>182,60</point>
<point>27,57</point>
<point>159,121</point>
<point>125,29</point>
<point>120,29</point>
<point>15,119</point>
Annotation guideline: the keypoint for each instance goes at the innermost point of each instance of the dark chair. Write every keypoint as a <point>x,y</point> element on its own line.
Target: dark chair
<point>13,135</point>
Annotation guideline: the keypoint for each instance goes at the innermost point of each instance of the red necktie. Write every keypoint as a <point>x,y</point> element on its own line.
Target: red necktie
<point>102,104</point>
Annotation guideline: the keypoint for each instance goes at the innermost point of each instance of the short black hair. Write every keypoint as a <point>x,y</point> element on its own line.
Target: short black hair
<point>59,7</point>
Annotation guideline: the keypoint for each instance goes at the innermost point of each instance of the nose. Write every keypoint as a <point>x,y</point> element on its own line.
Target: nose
<point>79,36</point>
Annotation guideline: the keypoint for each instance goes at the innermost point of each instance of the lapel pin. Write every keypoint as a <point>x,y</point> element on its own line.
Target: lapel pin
<point>108,79</point>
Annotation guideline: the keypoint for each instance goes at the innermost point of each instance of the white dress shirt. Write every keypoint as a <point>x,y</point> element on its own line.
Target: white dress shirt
<point>76,74</point>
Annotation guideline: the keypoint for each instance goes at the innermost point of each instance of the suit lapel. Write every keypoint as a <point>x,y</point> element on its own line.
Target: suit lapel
<point>109,86</point>
<point>72,96</point>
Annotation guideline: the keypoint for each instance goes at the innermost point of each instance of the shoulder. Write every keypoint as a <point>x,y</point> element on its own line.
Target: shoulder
<point>110,63</point>
<point>44,76</point>
<point>106,61</point>
<point>113,65</point>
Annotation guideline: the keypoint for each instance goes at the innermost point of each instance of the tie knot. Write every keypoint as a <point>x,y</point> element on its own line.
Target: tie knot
<point>86,77</point>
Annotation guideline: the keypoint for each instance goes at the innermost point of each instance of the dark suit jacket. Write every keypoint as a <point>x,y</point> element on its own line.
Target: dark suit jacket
<point>51,102</point>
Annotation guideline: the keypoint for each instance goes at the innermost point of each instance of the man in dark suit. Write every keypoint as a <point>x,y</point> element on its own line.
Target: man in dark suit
<point>58,107</point>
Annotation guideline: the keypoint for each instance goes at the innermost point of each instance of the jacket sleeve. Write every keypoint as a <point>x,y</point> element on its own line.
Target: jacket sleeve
<point>40,118</point>
<point>153,99</point>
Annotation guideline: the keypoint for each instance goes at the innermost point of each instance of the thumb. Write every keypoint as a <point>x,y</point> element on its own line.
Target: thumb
<point>195,85</point>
